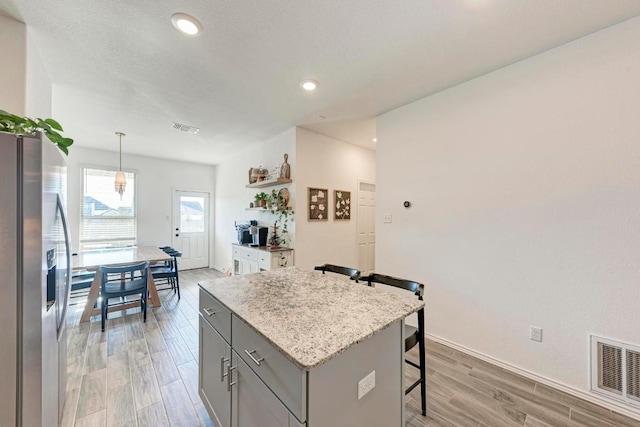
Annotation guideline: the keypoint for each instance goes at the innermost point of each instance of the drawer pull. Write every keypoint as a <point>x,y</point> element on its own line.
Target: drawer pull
<point>229,375</point>
<point>222,362</point>
<point>209,311</point>
<point>250,354</point>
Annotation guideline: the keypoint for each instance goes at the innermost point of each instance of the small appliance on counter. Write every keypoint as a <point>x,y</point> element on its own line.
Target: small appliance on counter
<point>259,235</point>
<point>250,233</point>
<point>243,233</point>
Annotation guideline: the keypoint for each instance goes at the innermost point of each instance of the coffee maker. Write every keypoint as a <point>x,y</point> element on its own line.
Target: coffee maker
<point>258,235</point>
<point>243,233</point>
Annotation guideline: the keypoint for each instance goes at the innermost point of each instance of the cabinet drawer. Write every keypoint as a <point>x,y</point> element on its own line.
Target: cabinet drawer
<point>264,261</point>
<point>245,253</point>
<point>216,314</point>
<point>250,255</point>
<point>282,376</point>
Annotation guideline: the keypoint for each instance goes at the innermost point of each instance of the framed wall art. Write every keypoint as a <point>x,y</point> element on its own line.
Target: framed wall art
<point>318,204</point>
<point>342,203</point>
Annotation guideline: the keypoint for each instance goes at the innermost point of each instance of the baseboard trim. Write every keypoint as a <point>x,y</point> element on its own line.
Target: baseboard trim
<point>619,408</point>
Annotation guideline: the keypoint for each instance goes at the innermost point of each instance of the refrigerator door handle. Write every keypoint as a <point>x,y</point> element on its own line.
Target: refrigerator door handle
<point>65,302</point>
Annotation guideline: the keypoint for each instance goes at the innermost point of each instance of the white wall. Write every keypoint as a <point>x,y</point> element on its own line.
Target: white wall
<point>156,181</point>
<point>232,198</point>
<point>13,42</point>
<point>525,186</point>
<point>38,85</point>
<point>25,87</point>
<point>324,162</point>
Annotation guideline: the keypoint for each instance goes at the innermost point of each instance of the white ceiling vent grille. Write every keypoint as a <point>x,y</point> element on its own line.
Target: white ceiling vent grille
<point>185,128</point>
<point>615,369</point>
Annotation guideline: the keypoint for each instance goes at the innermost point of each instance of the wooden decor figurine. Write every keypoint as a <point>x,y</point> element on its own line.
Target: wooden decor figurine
<point>285,169</point>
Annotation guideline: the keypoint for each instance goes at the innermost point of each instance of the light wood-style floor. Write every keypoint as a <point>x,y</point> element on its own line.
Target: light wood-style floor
<point>138,374</point>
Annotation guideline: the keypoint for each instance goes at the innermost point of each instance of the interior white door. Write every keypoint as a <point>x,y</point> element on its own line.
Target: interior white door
<point>191,228</point>
<point>366,227</point>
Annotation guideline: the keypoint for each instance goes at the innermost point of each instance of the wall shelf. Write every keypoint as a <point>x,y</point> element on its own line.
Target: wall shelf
<point>270,183</point>
<point>267,210</point>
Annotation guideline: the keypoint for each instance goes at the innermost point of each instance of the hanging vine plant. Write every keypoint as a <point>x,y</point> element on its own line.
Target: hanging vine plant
<point>25,126</point>
<point>277,205</point>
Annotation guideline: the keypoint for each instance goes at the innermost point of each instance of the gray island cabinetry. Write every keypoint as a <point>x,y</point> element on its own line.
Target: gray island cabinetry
<point>293,348</point>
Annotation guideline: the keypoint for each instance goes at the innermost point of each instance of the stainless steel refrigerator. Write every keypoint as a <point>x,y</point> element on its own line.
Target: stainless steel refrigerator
<point>35,267</point>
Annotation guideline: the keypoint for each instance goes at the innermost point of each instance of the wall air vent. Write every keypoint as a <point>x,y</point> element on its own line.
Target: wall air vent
<point>615,369</point>
<point>185,128</point>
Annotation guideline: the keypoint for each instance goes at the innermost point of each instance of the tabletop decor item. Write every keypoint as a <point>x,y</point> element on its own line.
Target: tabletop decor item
<point>261,199</point>
<point>285,169</point>
<point>257,174</point>
<point>25,126</point>
<point>317,203</point>
<point>342,204</point>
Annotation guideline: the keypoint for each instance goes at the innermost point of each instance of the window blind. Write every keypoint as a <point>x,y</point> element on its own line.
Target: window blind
<point>107,221</point>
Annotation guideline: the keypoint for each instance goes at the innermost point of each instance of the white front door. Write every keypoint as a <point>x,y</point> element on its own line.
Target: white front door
<point>366,227</point>
<point>191,228</point>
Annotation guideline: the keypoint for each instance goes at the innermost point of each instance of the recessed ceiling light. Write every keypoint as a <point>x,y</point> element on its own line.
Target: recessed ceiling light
<point>186,23</point>
<point>374,139</point>
<point>309,84</point>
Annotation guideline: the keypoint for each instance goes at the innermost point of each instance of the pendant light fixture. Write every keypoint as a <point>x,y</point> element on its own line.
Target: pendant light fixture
<point>121,182</point>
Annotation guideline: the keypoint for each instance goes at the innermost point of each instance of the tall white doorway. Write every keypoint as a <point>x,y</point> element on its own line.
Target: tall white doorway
<point>366,227</point>
<point>191,228</point>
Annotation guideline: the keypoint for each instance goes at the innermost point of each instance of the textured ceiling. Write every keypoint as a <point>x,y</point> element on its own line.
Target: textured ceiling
<point>119,65</point>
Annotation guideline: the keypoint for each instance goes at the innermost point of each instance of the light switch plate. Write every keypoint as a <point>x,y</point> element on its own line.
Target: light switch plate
<point>366,384</point>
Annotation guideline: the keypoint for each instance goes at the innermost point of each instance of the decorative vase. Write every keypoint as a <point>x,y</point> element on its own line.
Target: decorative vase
<point>285,169</point>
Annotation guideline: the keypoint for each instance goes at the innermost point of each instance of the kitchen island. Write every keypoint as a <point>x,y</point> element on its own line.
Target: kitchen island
<point>292,347</point>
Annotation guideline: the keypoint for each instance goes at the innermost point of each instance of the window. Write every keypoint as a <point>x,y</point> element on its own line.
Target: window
<point>107,221</point>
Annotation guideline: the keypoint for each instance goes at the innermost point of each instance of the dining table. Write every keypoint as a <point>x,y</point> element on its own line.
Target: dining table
<point>94,259</point>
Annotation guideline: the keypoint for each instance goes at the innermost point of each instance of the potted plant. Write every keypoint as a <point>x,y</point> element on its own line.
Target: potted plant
<point>25,126</point>
<point>275,200</point>
<point>261,199</point>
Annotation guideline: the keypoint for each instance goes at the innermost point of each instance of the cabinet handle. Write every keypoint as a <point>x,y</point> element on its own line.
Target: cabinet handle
<point>250,354</point>
<point>229,375</point>
<point>209,311</point>
<point>222,362</point>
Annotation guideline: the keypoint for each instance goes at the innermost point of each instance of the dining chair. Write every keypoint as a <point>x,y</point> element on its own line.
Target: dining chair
<point>412,336</point>
<point>169,272</point>
<point>353,273</point>
<point>120,282</point>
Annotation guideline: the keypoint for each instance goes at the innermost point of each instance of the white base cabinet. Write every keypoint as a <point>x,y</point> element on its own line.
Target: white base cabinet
<point>247,259</point>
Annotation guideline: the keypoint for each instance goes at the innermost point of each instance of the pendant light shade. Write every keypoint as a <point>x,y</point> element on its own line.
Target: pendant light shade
<point>121,182</point>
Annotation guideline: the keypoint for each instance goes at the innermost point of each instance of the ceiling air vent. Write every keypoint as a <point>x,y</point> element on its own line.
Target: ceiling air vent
<point>615,369</point>
<point>185,128</point>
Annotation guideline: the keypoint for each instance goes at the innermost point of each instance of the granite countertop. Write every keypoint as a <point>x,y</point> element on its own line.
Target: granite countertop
<point>308,316</point>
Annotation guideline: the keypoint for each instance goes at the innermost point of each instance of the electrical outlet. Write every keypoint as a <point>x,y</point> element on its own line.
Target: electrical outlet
<point>386,218</point>
<point>536,334</point>
<point>366,384</point>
